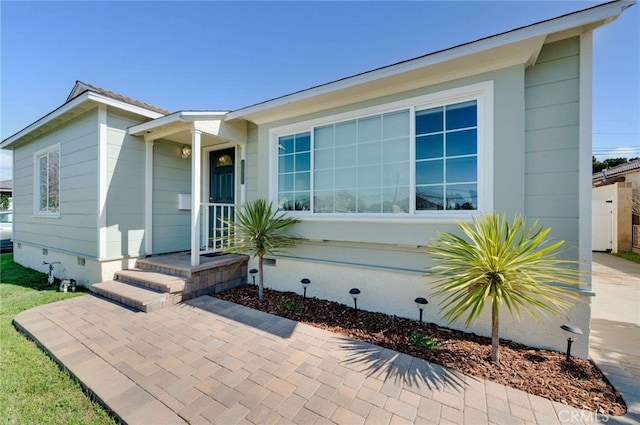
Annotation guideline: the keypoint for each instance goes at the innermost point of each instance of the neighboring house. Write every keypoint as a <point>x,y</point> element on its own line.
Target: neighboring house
<point>374,165</point>
<point>6,189</point>
<point>616,222</point>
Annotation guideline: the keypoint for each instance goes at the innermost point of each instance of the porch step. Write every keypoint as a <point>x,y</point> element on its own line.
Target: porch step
<point>149,279</point>
<point>136,297</point>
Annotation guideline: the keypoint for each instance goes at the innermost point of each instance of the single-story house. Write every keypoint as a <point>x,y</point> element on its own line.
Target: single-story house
<point>616,208</point>
<point>373,164</point>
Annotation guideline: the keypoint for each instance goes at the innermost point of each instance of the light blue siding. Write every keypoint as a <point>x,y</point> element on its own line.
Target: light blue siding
<point>252,168</point>
<point>171,176</point>
<point>125,187</point>
<point>552,140</point>
<point>75,231</point>
<point>398,246</point>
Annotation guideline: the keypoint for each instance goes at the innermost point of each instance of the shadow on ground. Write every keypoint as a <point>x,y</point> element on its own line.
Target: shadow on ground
<point>385,364</point>
<point>275,325</point>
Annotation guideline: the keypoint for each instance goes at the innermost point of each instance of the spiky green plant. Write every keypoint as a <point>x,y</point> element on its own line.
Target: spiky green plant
<point>259,229</point>
<point>501,263</point>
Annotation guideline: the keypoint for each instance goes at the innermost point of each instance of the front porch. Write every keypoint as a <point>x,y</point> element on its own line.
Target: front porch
<point>168,279</point>
<point>216,150</point>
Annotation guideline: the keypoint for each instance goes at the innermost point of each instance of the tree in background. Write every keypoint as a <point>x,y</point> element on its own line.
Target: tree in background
<point>608,163</point>
<point>5,201</point>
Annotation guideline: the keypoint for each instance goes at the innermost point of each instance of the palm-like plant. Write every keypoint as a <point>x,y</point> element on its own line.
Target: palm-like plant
<point>260,230</point>
<point>504,264</point>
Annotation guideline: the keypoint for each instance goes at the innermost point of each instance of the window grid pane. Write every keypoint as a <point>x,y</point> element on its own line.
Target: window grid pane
<point>447,157</point>
<point>49,182</point>
<point>364,165</point>
<point>294,168</point>
<point>370,160</point>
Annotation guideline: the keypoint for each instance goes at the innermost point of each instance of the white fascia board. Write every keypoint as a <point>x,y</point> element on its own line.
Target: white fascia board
<point>73,104</point>
<point>180,116</point>
<point>602,14</point>
<point>56,113</point>
<point>138,110</point>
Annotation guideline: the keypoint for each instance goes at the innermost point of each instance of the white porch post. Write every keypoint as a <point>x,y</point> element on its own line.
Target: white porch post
<point>148,201</point>
<point>196,189</point>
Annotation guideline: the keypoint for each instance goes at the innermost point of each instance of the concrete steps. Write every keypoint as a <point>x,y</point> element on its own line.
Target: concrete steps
<point>143,290</point>
<point>142,299</point>
<point>157,281</point>
<point>165,280</point>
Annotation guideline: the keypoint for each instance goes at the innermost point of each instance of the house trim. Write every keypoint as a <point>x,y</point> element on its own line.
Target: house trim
<point>584,155</point>
<point>102,181</point>
<point>148,205</point>
<point>70,109</point>
<point>482,92</point>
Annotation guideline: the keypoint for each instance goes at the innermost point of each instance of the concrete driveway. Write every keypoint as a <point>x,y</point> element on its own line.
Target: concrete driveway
<point>615,314</point>
<point>615,328</point>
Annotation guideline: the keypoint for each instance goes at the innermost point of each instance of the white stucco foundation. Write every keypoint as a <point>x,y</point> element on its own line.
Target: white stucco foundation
<point>394,293</point>
<point>92,271</point>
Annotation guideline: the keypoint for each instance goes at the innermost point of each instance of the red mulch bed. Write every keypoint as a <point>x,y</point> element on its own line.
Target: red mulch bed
<point>541,372</point>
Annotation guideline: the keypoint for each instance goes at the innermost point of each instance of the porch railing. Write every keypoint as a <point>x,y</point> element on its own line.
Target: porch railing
<point>214,232</point>
<point>635,235</point>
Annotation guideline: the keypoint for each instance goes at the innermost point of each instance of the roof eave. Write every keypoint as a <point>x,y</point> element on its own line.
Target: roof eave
<point>588,18</point>
<point>179,116</point>
<point>73,104</point>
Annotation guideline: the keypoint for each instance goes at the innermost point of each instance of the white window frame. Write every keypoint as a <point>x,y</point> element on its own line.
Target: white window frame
<point>481,92</point>
<point>37,178</point>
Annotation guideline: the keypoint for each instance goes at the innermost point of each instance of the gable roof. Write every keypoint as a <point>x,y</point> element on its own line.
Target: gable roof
<point>82,98</point>
<point>519,46</point>
<point>82,87</point>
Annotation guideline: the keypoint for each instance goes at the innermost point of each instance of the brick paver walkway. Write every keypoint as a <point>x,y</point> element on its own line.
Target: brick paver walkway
<point>210,361</point>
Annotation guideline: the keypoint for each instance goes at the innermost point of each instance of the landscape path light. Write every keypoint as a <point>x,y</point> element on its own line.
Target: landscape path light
<point>305,284</point>
<point>354,294</point>
<point>421,303</point>
<point>253,273</point>
<point>570,331</point>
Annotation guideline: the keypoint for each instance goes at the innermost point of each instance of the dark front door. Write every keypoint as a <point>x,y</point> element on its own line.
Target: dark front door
<point>222,184</point>
<point>221,191</point>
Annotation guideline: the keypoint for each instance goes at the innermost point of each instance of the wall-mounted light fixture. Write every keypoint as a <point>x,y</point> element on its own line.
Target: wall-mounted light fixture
<point>185,152</point>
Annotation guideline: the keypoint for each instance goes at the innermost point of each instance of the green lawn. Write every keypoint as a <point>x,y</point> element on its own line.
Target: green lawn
<point>628,255</point>
<point>33,390</point>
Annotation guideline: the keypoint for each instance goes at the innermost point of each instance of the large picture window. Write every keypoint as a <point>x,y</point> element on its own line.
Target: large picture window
<point>418,157</point>
<point>362,166</point>
<point>48,181</point>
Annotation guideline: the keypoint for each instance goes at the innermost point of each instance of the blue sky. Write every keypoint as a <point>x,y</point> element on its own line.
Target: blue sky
<point>226,55</point>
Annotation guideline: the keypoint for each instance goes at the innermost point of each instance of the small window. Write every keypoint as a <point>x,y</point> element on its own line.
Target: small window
<point>294,176</point>
<point>48,181</point>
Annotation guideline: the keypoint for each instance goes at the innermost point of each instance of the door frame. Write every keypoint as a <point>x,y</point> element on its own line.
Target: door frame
<point>239,190</point>
<point>206,165</point>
